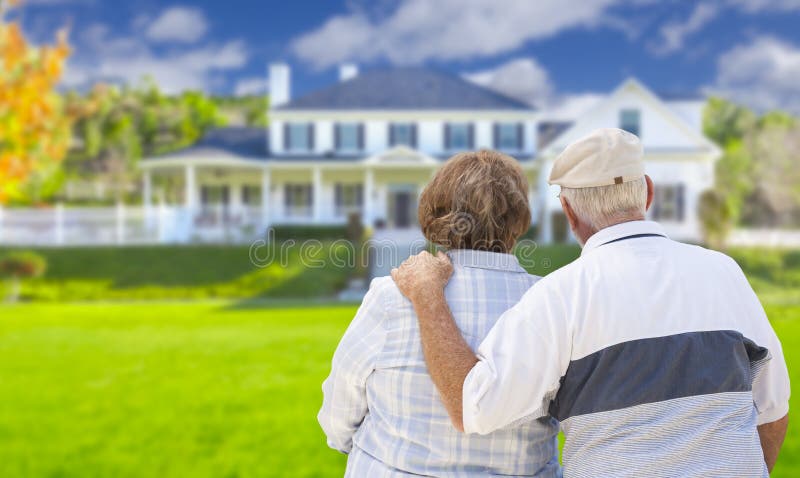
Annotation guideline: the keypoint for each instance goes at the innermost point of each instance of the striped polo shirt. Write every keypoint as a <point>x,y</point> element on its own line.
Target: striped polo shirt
<point>656,357</point>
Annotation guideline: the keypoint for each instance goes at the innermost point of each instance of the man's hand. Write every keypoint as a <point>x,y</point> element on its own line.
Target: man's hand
<point>423,276</point>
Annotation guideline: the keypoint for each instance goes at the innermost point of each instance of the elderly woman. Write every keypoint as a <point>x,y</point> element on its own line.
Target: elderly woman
<point>380,405</point>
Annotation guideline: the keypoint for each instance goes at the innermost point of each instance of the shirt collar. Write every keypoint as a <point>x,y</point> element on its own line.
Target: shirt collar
<point>485,260</point>
<point>619,231</point>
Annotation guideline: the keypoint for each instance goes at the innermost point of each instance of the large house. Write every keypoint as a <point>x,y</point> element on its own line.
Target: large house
<point>369,144</point>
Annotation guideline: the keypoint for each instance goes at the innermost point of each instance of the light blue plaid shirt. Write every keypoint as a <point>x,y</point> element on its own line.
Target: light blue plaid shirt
<point>381,407</point>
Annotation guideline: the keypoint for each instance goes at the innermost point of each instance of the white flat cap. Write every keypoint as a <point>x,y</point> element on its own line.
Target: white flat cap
<point>607,156</point>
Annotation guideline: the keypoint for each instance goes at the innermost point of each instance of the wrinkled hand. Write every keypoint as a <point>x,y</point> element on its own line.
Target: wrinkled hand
<point>423,275</point>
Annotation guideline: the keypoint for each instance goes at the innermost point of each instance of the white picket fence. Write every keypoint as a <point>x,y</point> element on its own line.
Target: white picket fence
<point>124,225</point>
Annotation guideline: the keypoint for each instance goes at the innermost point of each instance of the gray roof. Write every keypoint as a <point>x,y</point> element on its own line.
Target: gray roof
<point>548,131</point>
<point>234,142</point>
<point>405,89</point>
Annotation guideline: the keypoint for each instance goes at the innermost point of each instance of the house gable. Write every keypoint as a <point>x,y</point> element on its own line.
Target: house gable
<point>661,129</point>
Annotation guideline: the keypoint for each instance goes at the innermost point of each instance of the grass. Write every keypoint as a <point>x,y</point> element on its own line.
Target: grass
<point>212,389</point>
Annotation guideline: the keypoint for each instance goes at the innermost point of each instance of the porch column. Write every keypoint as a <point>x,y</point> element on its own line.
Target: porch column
<point>369,192</point>
<point>189,199</point>
<point>147,197</point>
<point>317,194</point>
<point>265,193</point>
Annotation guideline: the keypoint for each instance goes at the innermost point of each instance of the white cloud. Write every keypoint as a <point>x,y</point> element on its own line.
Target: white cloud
<point>251,86</point>
<point>178,24</point>
<point>522,78</point>
<point>762,74</point>
<point>757,6</point>
<point>420,30</point>
<point>127,59</point>
<point>673,34</point>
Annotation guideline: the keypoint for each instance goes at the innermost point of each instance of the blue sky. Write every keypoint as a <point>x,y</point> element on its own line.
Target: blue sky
<point>555,53</point>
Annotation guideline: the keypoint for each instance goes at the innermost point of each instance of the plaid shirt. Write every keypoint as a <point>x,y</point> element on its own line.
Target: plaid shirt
<point>381,407</point>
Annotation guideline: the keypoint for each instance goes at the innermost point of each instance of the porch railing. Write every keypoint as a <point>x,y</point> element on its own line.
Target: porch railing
<point>60,225</point>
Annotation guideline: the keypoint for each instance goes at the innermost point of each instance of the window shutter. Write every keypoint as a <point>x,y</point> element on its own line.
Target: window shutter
<point>360,136</point>
<point>471,136</point>
<point>286,137</point>
<point>360,195</point>
<point>287,192</point>
<point>225,195</point>
<point>680,202</point>
<point>391,134</point>
<point>496,136</point>
<point>414,135</point>
<point>448,142</point>
<point>310,136</point>
<point>337,140</point>
<point>337,195</point>
<point>309,195</point>
<point>204,195</point>
<point>520,136</point>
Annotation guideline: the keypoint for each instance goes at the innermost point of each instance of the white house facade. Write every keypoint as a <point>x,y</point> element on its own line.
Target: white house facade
<point>371,142</point>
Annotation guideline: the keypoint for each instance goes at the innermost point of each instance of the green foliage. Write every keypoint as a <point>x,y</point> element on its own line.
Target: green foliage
<point>757,177</point>
<point>22,265</point>
<point>715,218</point>
<point>116,127</point>
<point>181,272</point>
<point>248,110</point>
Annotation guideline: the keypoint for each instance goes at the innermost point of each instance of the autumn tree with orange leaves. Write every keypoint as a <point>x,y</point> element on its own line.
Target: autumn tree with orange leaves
<point>34,129</point>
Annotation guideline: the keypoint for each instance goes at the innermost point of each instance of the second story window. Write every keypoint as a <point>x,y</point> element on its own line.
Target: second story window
<point>349,137</point>
<point>458,136</point>
<point>299,137</point>
<point>403,134</point>
<point>668,203</point>
<point>630,121</point>
<point>508,136</point>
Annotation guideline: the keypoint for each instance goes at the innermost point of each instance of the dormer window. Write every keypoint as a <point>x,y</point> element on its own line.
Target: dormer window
<point>349,137</point>
<point>458,136</point>
<point>299,137</point>
<point>508,136</point>
<point>403,134</point>
<point>630,121</point>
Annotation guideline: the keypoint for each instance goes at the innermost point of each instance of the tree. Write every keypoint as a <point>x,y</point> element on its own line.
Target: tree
<point>34,130</point>
<point>715,218</point>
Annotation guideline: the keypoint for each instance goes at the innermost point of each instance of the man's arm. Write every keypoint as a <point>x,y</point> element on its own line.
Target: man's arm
<point>447,354</point>
<point>517,367</point>
<point>772,435</point>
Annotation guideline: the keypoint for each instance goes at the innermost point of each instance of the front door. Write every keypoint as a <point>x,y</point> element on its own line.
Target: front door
<point>402,213</point>
<point>402,204</point>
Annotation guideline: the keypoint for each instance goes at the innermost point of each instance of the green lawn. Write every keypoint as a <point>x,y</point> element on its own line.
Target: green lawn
<point>220,389</point>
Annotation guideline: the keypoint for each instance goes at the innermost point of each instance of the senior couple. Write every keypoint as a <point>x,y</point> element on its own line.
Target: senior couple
<point>654,357</point>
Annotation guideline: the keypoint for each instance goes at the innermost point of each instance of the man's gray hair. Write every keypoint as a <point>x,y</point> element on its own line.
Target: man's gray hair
<point>604,206</point>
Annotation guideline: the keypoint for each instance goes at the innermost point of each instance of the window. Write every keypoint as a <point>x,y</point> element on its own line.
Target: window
<point>297,199</point>
<point>403,133</point>
<point>668,203</point>
<point>508,136</point>
<point>458,136</point>
<point>299,137</point>
<point>629,120</point>
<point>348,198</point>
<point>349,137</point>
<point>251,195</point>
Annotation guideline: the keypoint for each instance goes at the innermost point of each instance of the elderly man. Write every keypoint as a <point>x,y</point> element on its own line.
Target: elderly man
<point>656,356</point>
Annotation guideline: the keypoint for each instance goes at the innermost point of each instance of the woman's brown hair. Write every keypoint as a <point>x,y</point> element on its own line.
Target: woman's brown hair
<point>477,200</point>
